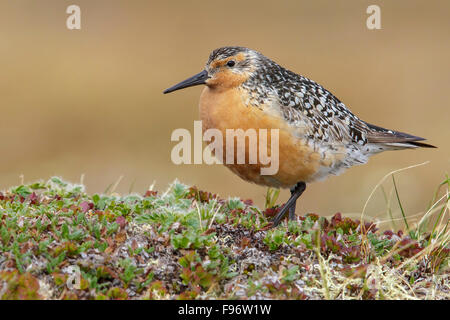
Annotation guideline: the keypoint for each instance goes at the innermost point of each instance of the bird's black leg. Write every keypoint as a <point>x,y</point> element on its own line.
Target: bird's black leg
<point>296,192</point>
<point>292,210</point>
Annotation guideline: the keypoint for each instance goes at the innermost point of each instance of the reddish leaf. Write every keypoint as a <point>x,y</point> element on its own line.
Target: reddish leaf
<point>199,195</point>
<point>209,231</point>
<point>121,221</point>
<point>271,212</point>
<point>370,226</point>
<point>388,233</point>
<point>33,198</point>
<point>121,237</point>
<point>86,206</point>
<point>134,245</point>
<point>150,193</point>
<point>245,242</point>
<point>336,219</point>
<point>313,216</point>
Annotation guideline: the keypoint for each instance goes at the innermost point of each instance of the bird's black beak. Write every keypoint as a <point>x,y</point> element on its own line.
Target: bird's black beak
<point>199,78</point>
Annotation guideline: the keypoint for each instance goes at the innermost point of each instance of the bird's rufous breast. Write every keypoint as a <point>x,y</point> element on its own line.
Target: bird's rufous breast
<point>225,109</point>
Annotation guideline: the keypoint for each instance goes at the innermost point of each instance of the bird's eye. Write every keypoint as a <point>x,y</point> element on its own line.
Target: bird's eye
<point>231,63</point>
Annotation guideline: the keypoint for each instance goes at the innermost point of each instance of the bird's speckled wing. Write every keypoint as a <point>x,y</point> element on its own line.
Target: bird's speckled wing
<point>324,119</point>
<point>304,103</point>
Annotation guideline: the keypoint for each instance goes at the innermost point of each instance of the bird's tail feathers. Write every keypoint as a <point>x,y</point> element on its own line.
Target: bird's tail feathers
<point>394,140</point>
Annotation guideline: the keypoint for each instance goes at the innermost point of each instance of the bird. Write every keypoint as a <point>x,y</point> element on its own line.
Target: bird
<point>318,134</point>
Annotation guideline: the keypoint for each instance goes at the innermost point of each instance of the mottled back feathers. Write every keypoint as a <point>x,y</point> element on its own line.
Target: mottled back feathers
<point>305,103</point>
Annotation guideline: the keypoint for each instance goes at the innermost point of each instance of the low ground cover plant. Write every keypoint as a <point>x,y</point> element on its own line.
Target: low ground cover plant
<point>58,242</point>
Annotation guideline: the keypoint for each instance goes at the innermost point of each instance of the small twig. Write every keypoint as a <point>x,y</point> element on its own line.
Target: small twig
<point>199,216</point>
<point>116,184</point>
<point>322,268</point>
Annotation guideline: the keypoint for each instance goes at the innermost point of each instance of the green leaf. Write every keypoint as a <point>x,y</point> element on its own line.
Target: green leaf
<point>23,191</point>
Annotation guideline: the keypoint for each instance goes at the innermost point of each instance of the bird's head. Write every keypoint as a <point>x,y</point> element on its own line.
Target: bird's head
<point>227,67</point>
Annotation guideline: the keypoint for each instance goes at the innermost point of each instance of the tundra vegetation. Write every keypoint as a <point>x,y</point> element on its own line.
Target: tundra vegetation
<point>186,243</point>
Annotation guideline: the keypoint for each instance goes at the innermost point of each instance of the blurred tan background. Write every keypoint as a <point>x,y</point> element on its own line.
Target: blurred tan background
<point>90,101</point>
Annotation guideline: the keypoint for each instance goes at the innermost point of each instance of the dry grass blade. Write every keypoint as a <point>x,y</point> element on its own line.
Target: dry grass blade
<point>383,179</point>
